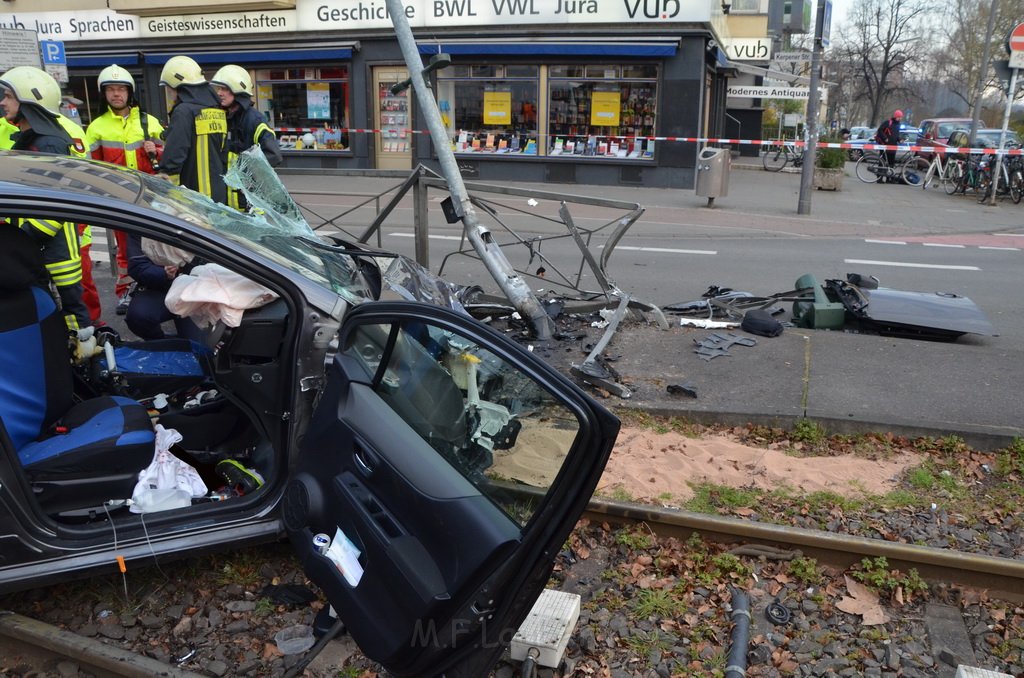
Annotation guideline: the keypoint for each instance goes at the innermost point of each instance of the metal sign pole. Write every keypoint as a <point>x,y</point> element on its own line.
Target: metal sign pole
<point>1002,136</point>
<point>510,282</point>
<point>811,128</point>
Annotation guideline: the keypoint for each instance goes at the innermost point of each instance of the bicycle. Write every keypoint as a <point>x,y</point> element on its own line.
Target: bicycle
<point>938,170</point>
<point>780,156</point>
<point>1011,181</point>
<point>873,167</point>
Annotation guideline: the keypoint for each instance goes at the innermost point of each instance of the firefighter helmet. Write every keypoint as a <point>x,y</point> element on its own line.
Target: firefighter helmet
<point>235,78</point>
<point>181,70</point>
<point>115,75</point>
<point>31,85</point>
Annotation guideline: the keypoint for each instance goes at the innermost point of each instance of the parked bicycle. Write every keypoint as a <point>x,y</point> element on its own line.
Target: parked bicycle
<point>874,167</point>
<point>779,156</point>
<point>1011,181</point>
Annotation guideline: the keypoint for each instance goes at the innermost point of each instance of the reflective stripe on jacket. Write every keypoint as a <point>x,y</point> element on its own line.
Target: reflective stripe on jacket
<point>195,145</point>
<point>119,140</point>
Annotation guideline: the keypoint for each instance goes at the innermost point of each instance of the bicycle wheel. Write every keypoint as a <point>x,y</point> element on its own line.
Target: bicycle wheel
<point>913,171</point>
<point>984,186</point>
<point>1016,186</point>
<point>775,159</point>
<point>953,177</point>
<point>869,169</point>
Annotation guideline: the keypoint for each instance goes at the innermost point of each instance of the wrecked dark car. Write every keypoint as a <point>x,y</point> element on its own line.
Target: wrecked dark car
<point>424,467</point>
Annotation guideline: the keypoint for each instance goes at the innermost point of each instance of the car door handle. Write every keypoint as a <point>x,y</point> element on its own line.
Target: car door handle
<point>364,467</point>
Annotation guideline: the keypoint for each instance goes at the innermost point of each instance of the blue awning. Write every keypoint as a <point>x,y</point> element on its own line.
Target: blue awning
<point>226,57</point>
<point>565,48</point>
<point>102,61</point>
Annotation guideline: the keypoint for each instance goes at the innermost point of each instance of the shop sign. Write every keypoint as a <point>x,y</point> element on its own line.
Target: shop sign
<point>605,108</point>
<point>773,92</point>
<point>86,24</point>
<point>749,49</point>
<point>363,14</point>
<point>228,23</point>
<point>497,108</point>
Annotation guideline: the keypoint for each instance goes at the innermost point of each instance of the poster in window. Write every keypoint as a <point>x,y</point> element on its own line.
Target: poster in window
<point>318,100</point>
<point>604,109</point>
<point>497,108</point>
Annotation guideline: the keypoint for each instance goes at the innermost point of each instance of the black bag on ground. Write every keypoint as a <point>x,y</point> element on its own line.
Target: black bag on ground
<point>760,322</point>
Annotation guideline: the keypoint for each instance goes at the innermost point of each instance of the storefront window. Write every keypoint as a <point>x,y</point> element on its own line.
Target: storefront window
<point>490,108</point>
<point>300,102</point>
<point>602,111</point>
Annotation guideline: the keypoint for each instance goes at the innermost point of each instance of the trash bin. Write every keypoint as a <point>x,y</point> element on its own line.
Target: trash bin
<point>713,173</point>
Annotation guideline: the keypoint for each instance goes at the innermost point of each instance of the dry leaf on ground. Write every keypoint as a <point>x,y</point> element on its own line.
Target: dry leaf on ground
<point>864,602</point>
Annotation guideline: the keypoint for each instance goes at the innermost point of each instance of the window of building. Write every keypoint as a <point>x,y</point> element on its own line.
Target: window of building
<point>490,108</point>
<point>303,101</point>
<point>602,110</point>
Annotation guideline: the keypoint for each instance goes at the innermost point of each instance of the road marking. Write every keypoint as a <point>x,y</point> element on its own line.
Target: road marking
<point>942,244</point>
<point>663,249</point>
<point>432,237</point>
<point>1001,249</point>
<point>1011,235</point>
<point>886,242</point>
<point>905,264</point>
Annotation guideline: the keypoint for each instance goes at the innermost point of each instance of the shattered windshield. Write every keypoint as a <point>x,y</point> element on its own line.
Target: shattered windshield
<point>274,229</point>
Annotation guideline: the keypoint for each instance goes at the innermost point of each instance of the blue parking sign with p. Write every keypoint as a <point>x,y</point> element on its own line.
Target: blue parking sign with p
<point>53,51</point>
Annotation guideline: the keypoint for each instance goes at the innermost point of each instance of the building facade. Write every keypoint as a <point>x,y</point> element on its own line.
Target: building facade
<point>573,91</point>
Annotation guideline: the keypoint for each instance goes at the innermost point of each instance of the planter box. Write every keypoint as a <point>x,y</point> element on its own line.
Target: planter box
<point>828,179</point>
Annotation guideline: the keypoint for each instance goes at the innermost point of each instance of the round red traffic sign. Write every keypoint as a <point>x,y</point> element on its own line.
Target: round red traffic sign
<point>1015,41</point>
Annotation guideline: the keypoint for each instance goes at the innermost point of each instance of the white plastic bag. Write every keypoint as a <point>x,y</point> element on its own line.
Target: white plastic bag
<point>167,482</point>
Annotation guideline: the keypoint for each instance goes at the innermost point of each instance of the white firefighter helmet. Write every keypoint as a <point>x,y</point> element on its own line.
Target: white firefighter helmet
<point>181,70</point>
<point>32,85</point>
<point>235,78</point>
<point>115,75</point>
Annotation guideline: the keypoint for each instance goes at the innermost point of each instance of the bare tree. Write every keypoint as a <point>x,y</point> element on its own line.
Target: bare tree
<point>958,60</point>
<point>881,42</point>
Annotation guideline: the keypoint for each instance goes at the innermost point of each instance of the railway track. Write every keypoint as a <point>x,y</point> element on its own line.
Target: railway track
<point>1001,577</point>
<point>43,647</point>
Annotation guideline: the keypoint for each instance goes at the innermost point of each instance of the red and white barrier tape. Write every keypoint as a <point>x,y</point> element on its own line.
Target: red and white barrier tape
<point>698,140</point>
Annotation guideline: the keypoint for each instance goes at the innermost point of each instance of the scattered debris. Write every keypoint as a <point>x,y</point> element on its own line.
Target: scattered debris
<point>687,389</point>
<point>718,344</point>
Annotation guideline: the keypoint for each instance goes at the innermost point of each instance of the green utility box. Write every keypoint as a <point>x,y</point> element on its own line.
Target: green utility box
<point>820,314</point>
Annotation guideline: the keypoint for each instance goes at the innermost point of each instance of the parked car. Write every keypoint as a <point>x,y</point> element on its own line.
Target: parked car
<point>935,132</point>
<point>989,138</point>
<point>444,462</point>
<point>908,135</point>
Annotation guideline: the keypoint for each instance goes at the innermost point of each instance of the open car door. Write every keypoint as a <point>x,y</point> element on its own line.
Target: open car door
<point>447,465</point>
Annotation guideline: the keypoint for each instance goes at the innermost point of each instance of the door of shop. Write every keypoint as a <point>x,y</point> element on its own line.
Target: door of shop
<point>393,117</point>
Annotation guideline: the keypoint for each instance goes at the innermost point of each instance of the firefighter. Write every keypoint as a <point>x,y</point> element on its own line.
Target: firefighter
<point>123,135</point>
<point>247,127</point>
<point>195,144</point>
<point>31,101</point>
<point>7,131</point>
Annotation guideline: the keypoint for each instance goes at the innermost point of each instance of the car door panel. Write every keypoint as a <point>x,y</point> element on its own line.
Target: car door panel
<point>406,491</point>
<point>425,420</point>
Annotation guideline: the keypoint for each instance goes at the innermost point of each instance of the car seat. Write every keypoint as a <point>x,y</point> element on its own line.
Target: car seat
<point>76,454</point>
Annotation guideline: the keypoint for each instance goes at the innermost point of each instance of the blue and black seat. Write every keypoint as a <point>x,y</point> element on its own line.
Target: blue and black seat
<point>76,454</point>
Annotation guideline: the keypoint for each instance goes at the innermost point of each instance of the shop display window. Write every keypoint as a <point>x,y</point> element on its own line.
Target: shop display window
<point>602,110</point>
<point>490,108</point>
<point>309,107</point>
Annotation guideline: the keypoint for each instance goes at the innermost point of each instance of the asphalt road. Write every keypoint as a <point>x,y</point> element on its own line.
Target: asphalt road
<point>753,240</point>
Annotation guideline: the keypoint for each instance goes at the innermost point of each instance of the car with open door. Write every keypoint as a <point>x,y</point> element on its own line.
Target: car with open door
<point>444,462</point>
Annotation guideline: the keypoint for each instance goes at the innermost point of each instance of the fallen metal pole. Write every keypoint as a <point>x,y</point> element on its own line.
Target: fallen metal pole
<point>514,287</point>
